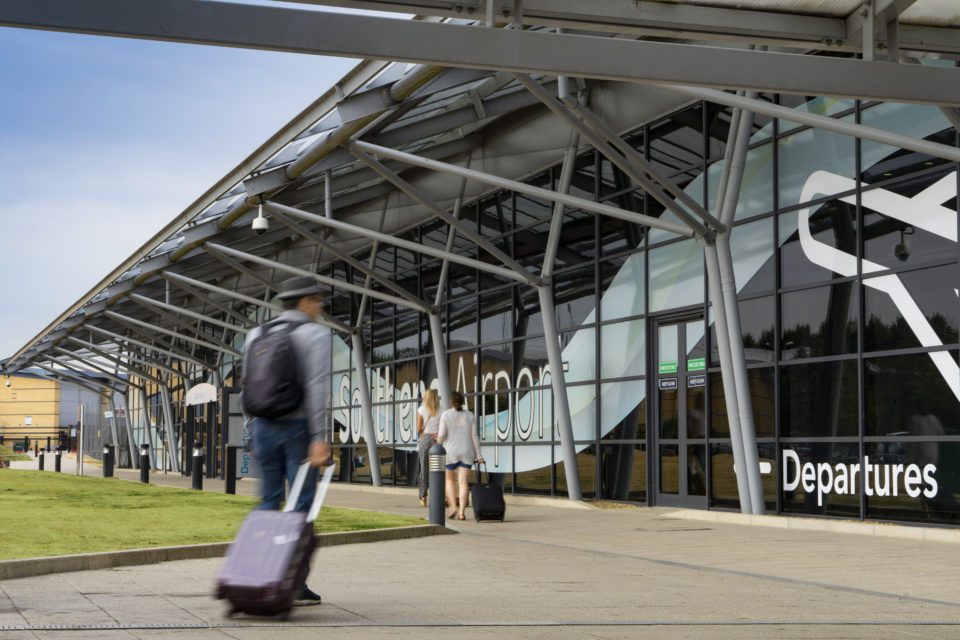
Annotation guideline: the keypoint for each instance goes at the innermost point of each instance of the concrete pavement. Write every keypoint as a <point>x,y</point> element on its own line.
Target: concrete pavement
<point>545,572</point>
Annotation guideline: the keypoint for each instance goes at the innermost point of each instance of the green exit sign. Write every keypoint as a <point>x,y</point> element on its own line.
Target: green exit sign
<point>696,364</point>
<point>668,367</point>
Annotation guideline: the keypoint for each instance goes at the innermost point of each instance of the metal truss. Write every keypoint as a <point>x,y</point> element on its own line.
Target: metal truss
<point>520,187</point>
<point>454,45</point>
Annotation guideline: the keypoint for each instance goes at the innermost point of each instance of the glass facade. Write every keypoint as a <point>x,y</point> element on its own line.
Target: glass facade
<point>846,265</point>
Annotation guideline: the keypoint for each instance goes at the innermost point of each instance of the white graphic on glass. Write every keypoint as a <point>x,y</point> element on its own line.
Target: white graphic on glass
<point>924,211</point>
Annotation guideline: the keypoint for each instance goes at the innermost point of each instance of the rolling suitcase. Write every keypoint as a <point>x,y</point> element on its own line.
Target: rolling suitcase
<point>487,499</point>
<point>267,563</point>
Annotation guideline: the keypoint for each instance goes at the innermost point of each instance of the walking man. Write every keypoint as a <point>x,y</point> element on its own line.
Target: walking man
<point>298,427</point>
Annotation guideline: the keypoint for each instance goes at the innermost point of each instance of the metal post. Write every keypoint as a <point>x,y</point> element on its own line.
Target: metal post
<point>728,286</point>
<point>36,449</point>
<point>230,481</point>
<point>197,467</point>
<point>726,371</point>
<point>440,359</point>
<point>560,402</point>
<point>366,408</point>
<point>171,440</point>
<point>437,463</point>
<point>40,459</point>
<point>108,450</point>
<point>80,441</point>
<point>145,463</point>
<point>57,458</point>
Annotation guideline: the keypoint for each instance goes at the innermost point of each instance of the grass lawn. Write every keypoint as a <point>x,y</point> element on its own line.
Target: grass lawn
<point>45,514</point>
<point>8,454</point>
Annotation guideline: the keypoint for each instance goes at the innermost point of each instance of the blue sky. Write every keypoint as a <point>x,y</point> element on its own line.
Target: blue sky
<point>104,140</point>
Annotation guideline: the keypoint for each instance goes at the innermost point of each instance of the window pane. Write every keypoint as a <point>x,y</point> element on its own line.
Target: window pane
<point>764,408</point>
<point>914,481</point>
<point>912,395</point>
<point>805,152</point>
<point>623,410</point>
<point>800,488</point>
<point>819,400</point>
<point>932,290</point>
<point>819,322</point>
<point>624,295</point>
<point>833,226</point>
<point>623,350</point>
<point>623,470</point>
<point>751,246</point>
<point>676,276</point>
<point>579,351</point>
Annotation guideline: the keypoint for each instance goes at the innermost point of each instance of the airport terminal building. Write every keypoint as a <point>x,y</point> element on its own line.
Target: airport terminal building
<point>639,285</point>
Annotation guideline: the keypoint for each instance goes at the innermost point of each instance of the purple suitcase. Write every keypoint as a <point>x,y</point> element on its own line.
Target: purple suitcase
<point>267,563</point>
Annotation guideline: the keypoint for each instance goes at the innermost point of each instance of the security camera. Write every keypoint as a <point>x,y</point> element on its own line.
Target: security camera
<point>260,224</point>
<point>901,251</point>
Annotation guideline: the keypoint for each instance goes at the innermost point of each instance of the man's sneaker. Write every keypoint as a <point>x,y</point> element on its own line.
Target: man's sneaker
<point>306,598</point>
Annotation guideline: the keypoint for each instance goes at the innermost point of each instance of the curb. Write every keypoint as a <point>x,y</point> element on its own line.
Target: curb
<point>30,567</point>
<point>868,528</point>
<point>531,501</point>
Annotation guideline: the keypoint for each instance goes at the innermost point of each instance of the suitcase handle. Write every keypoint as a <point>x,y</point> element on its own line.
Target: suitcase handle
<point>298,487</point>
<point>480,477</point>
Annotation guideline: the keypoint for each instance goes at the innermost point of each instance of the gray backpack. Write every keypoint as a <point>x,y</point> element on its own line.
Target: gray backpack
<point>271,380</point>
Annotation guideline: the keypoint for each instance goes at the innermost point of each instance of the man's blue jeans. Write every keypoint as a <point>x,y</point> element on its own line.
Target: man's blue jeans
<point>280,447</point>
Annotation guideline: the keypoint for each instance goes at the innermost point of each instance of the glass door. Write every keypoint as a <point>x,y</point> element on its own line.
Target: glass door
<point>680,412</point>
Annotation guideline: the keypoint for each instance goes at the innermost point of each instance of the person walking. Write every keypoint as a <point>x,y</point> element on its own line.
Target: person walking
<point>428,425</point>
<point>281,444</point>
<point>458,435</point>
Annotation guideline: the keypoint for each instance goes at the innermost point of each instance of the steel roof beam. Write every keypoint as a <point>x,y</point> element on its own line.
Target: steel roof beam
<point>190,314</point>
<point>176,336</point>
<point>395,241</point>
<point>441,213</point>
<point>93,365</point>
<point>182,279</point>
<point>346,257</point>
<point>226,309</point>
<point>172,352</point>
<point>453,45</point>
<point>330,282</point>
<point>83,372</point>
<point>117,358</point>
<point>755,105</point>
<point>77,379</point>
<point>520,187</point>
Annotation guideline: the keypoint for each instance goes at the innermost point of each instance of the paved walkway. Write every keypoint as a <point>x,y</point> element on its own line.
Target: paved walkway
<point>545,572</point>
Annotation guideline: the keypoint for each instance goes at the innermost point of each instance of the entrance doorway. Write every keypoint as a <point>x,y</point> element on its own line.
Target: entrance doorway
<point>680,421</point>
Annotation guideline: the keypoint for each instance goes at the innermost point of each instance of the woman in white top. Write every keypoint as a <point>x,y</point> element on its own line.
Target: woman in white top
<point>428,425</point>
<point>458,435</point>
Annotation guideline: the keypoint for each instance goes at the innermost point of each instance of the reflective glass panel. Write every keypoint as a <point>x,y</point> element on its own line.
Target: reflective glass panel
<point>819,400</point>
<point>819,322</point>
<point>912,395</point>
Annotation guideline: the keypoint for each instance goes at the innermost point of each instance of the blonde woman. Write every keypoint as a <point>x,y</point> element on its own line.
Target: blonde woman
<point>458,435</point>
<point>428,425</point>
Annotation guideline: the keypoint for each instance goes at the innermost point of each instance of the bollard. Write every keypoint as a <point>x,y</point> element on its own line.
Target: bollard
<point>56,460</point>
<point>438,467</point>
<point>36,449</point>
<point>48,443</point>
<point>41,458</point>
<point>108,460</point>
<point>230,481</point>
<point>197,468</point>
<point>145,463</point>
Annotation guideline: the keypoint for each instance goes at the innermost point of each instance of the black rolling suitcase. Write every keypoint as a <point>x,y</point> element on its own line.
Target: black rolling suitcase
<point>487,498</point>
<point>267,563</point>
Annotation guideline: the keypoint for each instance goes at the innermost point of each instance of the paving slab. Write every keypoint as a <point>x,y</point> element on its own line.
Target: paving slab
<point>545,572</point>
